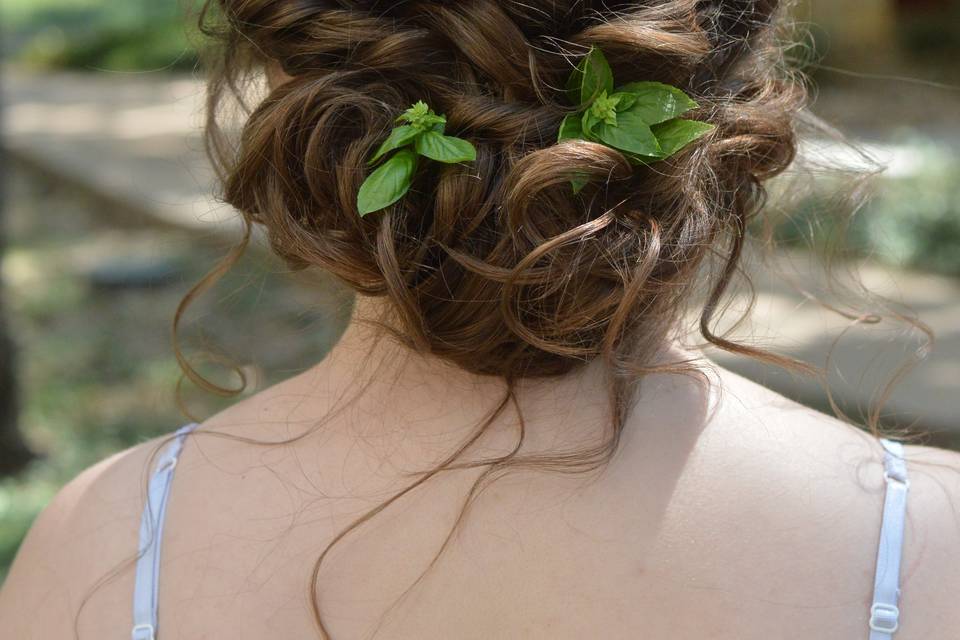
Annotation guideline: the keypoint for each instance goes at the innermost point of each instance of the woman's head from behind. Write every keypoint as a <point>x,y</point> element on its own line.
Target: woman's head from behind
<point>496,265</point>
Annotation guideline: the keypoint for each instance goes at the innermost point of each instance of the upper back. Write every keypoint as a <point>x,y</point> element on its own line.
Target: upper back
<point>754,518</point>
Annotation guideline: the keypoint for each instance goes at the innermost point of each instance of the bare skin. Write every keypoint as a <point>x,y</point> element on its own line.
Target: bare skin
<point>728,512</point>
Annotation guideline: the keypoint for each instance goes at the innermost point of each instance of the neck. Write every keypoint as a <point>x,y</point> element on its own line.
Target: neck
<point>391,379</point>
<point>372,389</point>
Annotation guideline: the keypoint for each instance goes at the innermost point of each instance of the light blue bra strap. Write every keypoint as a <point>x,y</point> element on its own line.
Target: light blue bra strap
<point>145,590</point>
<point>885,612</point>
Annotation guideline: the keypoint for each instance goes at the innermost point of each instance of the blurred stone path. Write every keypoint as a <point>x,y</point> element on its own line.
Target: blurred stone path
<point>133,140</point>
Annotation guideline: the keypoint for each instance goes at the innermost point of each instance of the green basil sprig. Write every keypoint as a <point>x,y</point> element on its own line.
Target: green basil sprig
<point>640,119</point>
<point>421,135</point>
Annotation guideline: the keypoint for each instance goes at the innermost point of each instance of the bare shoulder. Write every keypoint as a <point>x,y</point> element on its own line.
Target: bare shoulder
<point>87,534</point>
<point>807,445</point>
<point>76,563</point>
<point>931,571</point>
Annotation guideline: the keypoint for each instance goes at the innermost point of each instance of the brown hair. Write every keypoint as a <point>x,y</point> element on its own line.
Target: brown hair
<point>495,266</point>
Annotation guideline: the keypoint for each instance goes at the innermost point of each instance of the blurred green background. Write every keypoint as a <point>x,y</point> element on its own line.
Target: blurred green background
<point>98,34</point>
<point>107,222</point>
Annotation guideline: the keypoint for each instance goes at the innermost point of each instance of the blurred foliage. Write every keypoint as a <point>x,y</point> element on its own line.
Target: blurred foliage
<point>87,392</point>
<point>934,31</point>
<point>161,46</point>
<point>99,34</point>
<point>910,219</point>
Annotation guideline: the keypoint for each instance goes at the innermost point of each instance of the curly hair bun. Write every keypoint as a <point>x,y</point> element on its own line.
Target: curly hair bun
<point>497,266</point>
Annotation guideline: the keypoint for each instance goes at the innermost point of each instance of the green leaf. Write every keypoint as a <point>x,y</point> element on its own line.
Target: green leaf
<point>604,108</point>
<point>579,183</point>
<point>445,148</point>
<point>431,122</point>
<point>642,160</point>
<point>421,117</point>
<point>414,113</point>
<point>630,134</point>
<point>657,102</point>
<point>388,183</point>
<point>589,122</point>
<point>624,100</point>
<point>571,128</point>
<point>674,135</point>
<point>399,137</point>
<point>591,77</point>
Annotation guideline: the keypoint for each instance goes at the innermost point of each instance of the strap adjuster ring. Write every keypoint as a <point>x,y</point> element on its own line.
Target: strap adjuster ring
<point>884,617</point>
